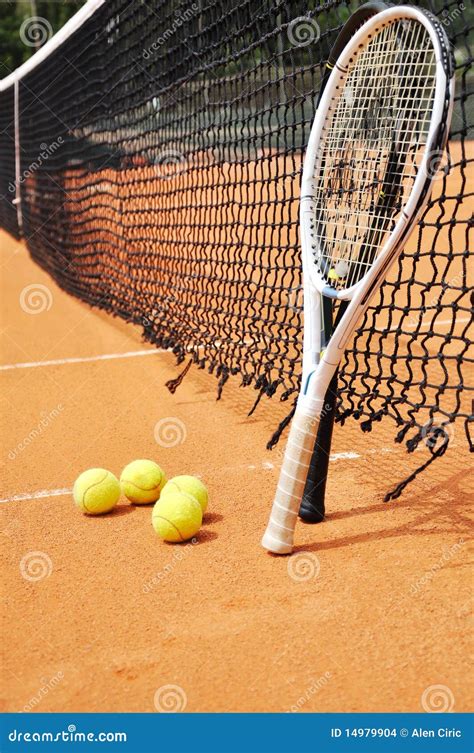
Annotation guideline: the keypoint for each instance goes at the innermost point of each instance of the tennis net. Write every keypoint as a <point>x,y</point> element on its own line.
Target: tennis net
<point>154,172</point>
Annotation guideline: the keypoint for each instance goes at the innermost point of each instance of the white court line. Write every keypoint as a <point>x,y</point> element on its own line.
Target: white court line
<point>344,456</point>
<point>37,495</point>
<point>265,465</point>
<point>86,359</point>
<point>105,357</point>
<point>429,323</point>
<point>139,353</point>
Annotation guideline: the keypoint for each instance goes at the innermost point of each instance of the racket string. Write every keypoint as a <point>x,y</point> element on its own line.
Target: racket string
<point>373,145</point>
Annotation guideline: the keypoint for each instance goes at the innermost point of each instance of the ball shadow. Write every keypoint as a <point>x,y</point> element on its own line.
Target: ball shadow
<point>204,536</point>
<point>121,510</point>
<point>212,517</point>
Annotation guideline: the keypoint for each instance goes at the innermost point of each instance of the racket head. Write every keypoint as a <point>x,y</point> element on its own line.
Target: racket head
<point>381,123</point>
<point>401,179</point>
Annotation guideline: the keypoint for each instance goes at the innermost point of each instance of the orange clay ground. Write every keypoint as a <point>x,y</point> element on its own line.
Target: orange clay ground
<point>370,614</point>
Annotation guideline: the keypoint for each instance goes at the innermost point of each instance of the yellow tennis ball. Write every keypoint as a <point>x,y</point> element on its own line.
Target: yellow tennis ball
<point>189,485</point>
<point>142,481</point>
<point>177,517</point>
<point>96,491</point>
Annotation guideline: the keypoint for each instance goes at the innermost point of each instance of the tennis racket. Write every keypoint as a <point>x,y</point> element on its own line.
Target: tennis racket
<point>377,138</point>
<point>312,508</point>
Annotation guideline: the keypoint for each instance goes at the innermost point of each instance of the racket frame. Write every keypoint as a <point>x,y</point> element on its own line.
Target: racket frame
<point>318,369</point>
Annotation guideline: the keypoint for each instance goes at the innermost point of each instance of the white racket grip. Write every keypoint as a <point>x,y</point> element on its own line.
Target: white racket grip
<point>278,537</point>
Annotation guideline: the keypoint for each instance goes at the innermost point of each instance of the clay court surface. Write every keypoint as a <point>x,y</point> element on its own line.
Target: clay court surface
<point>371,613</point>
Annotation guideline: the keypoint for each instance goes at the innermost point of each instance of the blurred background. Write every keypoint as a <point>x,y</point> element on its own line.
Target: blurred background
<point>19,37</point>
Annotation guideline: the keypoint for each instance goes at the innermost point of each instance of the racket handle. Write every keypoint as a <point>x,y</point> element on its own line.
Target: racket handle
<point>278,537</point>
<point>312,508</point>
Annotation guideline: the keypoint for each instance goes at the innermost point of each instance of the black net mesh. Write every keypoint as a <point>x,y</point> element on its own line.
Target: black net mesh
<point>161,152</point>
